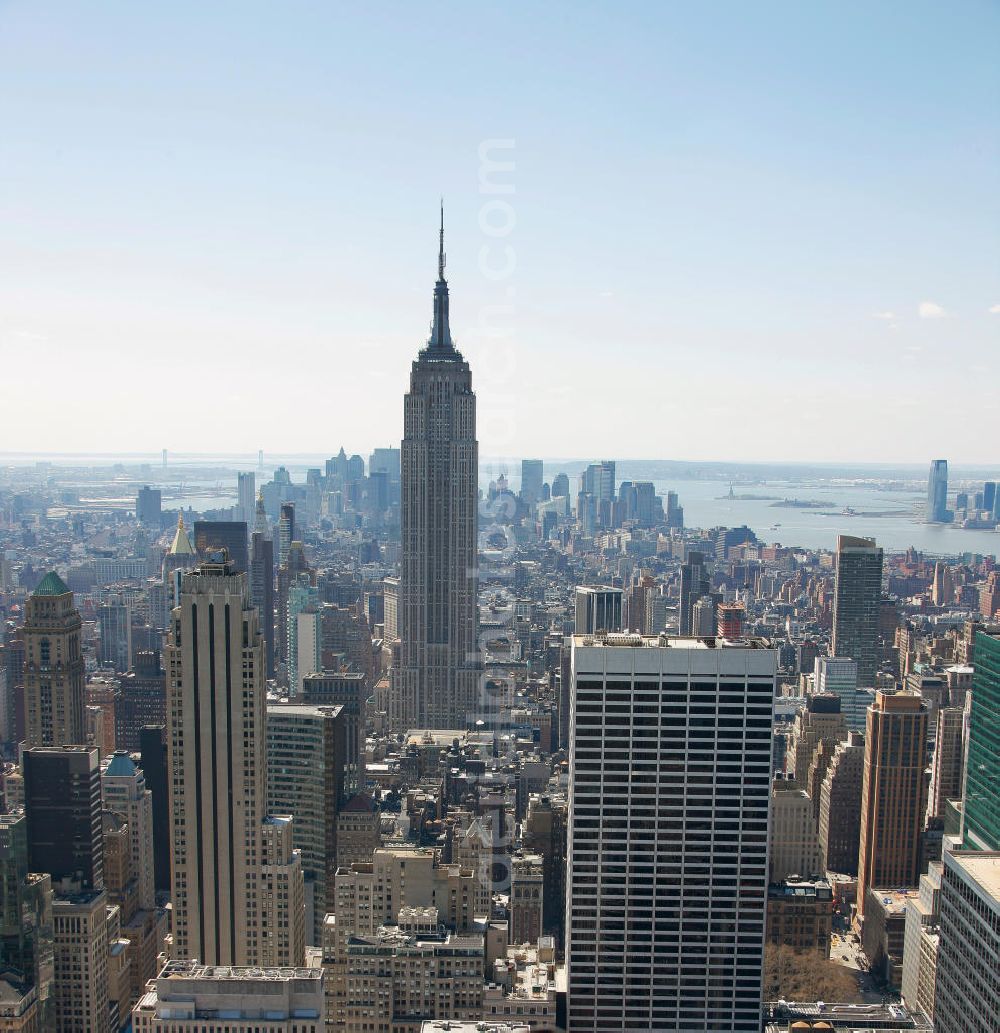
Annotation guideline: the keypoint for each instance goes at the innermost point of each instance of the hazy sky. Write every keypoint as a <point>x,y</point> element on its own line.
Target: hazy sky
<point>738,230</point>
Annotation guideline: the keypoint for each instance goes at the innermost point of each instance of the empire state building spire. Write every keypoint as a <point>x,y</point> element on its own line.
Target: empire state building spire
<point>435,683</point>
<point>440,330</point>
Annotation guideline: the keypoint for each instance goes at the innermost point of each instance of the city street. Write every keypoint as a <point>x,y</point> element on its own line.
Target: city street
<point>847,951</point>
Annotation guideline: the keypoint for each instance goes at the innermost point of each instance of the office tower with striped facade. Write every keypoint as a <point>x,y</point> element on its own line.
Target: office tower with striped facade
<point>893,795</point>
<point>216,711</point>
<point>669,782</point>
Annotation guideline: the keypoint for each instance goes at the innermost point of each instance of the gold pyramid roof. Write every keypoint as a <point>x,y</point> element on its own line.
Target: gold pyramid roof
<point>181,545</point>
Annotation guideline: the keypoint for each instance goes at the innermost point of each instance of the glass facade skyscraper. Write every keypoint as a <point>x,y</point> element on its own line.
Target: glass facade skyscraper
<point>982,784</point>
<point>937,491</point>
<point>856,604</point>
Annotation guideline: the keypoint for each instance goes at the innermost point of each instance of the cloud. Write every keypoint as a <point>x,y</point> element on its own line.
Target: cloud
<point>995,310</point>
<point>883,315</point>
<point>930,310</point>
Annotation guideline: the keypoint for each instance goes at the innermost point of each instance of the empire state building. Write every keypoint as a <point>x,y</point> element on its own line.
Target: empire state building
<point>436,680</point>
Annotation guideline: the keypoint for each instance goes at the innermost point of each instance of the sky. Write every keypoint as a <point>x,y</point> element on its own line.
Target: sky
<point>733,231</point>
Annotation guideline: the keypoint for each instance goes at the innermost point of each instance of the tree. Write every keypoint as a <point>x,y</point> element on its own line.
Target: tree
<point>806,976</point>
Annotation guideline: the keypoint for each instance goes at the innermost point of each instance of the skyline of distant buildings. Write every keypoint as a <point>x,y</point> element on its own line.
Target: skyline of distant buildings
<point>381,749</point>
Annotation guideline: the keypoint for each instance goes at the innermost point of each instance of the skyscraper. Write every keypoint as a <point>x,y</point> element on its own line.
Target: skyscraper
<point>231,535</point>
<point>856,605</point>
<point>937,491</point>
<point>840,806</point>
<point>148,504</point>
<point>948,764</point>
<point>286,531</point>
<point>246,497</point>
<point>180,557</point>
<point>114,619</point>
<point>893,794</point>
<point>142,699</point>
<point>598,479</point>
<point>346,690</point>
<point>695,584</point>
<point>982,779</point>
<point>306,776</point>
<point>62,800</point>
<point>53,667</point>
<point>839,675</point>
<point>215,704</point>
<point>990,496</point>
<point>153,761</point>
<point>262,585</point>
<point>436,681</point>
<point>967,987</point>
<point>531,480</point>
<point>81,929</point>
<point>123,786</point>
<point>383,474</point>
<point>282,907</point>
<point>669,783</point>
<point>25,916</point>
<point>598,609</point>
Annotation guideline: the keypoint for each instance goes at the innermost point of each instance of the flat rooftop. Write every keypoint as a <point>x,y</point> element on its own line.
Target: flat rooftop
<point>278,708</point>
<point>981,868</point>
<point>893,901</point>
<point>664,641</point>
<point>194,970</point>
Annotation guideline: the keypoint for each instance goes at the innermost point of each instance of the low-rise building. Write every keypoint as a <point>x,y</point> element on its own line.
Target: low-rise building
<point>18,1007</point>
<point>799,1017</point>
<point>451,1026</point>
<point>800,914</point>
<point>188,997</point>
<point>403,975</point>
<point>523,987</point>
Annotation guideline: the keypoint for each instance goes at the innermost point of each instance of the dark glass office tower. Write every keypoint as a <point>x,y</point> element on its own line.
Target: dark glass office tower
<point>26,948</point>
<point>262,587</point>
<point>153,761</point>
<point>695,585</point>
<point>62,802</point>
<point>856,603</point>
<point>231,535</point>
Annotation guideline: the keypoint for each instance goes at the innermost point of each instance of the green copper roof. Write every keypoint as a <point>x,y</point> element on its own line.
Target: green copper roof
<point>121,764</point>
<point>51,584</point>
